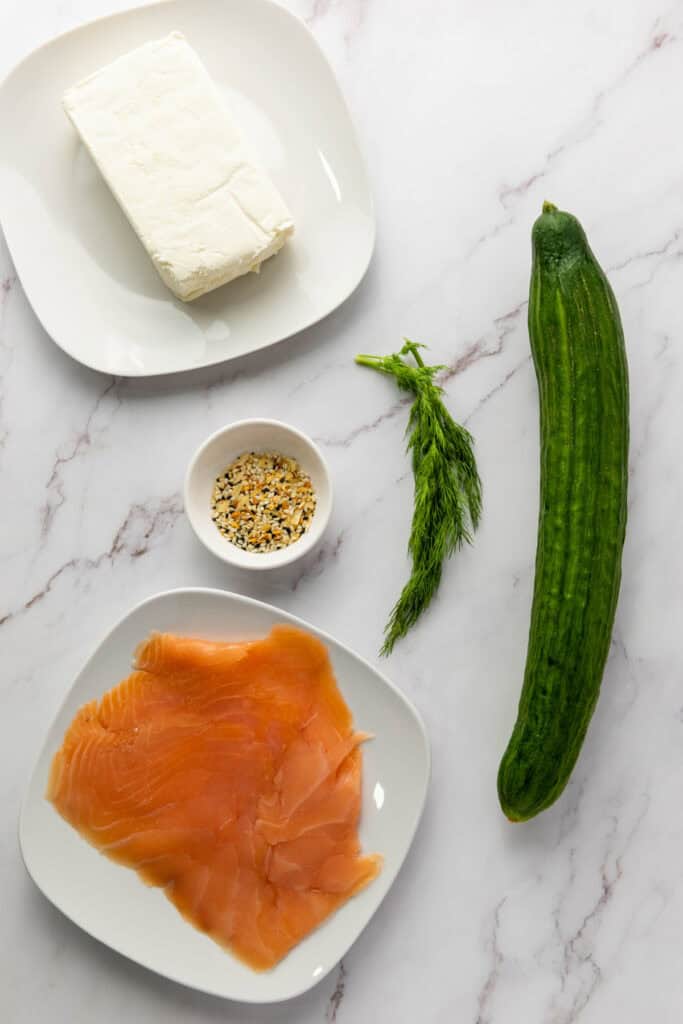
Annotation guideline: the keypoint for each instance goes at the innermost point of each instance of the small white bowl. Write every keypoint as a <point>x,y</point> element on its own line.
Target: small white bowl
<point>218,451</point>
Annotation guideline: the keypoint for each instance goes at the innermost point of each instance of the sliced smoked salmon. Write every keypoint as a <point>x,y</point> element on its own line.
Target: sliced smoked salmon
<point>228,774</point>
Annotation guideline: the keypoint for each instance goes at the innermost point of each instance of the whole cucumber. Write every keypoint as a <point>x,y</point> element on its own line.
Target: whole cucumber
<point>578,350</point>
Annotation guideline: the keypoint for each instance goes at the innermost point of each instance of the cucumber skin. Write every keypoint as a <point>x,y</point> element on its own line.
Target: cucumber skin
<point>578,350</point>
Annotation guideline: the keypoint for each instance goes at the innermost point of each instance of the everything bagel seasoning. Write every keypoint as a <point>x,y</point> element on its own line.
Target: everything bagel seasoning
<point>263,501</point>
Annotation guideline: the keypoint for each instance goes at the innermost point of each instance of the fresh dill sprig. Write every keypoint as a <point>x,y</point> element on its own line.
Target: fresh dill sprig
<point>447,501</point>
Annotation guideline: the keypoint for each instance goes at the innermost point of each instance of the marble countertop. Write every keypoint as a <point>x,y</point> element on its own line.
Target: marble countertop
<point>484,110</point>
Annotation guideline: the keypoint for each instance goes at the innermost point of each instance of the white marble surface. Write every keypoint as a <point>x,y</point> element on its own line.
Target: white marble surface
<point>470,114</point>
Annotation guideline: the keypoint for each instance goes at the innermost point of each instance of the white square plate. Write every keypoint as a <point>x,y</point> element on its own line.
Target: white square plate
<point>113,905</point>
<point>84,271</point>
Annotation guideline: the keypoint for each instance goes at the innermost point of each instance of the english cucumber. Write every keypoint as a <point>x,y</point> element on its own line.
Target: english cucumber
<point>578,351</point>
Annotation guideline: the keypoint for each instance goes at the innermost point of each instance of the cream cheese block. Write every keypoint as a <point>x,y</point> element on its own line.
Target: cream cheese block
<point>174,157</point>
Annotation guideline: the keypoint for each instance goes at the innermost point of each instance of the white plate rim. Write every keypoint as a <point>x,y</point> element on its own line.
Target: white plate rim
<point>316,318</point>
<point>326,637</point>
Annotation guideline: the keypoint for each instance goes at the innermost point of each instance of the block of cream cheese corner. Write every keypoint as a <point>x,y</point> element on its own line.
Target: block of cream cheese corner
<point>172,154</point>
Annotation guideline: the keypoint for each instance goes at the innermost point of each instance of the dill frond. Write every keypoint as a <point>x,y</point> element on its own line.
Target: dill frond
<point>447,499</point>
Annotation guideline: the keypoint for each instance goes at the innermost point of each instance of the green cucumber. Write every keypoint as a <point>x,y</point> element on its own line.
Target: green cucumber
<point>578,350</point>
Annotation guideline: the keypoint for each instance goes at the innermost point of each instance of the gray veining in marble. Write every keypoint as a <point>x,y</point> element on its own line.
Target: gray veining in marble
<point>484,110</point>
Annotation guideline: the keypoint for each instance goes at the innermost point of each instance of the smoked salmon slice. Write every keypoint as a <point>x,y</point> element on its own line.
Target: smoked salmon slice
<point>228,774</point>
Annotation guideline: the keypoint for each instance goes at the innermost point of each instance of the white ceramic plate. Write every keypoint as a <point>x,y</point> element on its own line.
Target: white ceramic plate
<point>111,903</point>
<point>85,273</point>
